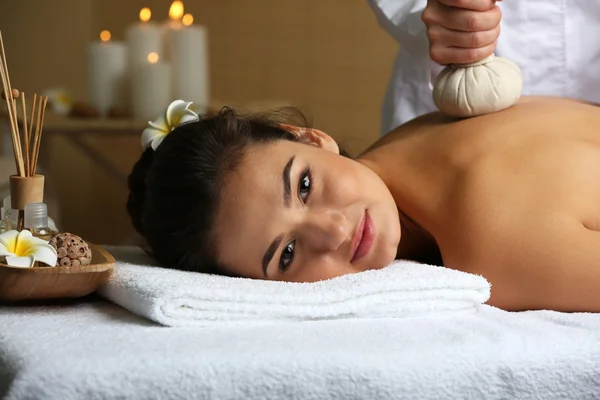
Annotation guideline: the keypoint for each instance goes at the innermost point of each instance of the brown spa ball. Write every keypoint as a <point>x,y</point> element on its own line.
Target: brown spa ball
<point>72,250</point>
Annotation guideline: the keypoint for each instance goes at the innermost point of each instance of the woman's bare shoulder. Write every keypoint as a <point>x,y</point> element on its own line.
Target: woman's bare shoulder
<point>527,107</point>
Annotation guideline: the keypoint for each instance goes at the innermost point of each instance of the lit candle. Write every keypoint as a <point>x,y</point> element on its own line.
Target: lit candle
<point>143,38</point>
<point>151,88</point>
<point>107,72</point>
<point>172,24</point>
<point>175,14</point>
<point>188,55</point>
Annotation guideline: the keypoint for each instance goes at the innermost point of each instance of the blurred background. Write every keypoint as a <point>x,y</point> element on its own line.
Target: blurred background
<point>329,57</point>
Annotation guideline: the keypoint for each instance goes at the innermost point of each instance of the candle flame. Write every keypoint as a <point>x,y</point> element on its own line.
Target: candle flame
<point>152,58</point>
<point>145,14</point>
<point>105,36</point>
<point>187,19</point>
<point>176,10</point>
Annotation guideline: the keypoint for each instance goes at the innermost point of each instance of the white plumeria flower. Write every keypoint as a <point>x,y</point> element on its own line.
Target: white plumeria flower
<point>22,249</point>
<point>177,113</point>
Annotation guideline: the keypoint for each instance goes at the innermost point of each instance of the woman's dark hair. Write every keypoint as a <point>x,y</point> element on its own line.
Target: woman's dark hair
<point>174,192</point>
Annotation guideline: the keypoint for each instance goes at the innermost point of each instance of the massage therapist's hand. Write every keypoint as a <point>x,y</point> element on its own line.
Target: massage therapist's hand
<point>461,31</point>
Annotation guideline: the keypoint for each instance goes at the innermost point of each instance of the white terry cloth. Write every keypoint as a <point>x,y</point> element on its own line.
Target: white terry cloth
<point>97,350</point>
<point>179,298</point>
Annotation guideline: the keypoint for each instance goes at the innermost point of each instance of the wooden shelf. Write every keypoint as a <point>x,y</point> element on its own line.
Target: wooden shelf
<point>58,124</point>
<point>75,131</point>
<point>54,123</point>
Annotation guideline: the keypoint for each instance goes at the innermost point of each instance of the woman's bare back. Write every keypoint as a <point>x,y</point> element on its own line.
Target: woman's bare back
<point>513,196</point>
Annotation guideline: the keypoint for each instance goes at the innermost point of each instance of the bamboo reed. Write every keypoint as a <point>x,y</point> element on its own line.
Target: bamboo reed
<point>26,144</point>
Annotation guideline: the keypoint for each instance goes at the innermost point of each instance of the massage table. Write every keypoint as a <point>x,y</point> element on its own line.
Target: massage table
<point>93,349</point>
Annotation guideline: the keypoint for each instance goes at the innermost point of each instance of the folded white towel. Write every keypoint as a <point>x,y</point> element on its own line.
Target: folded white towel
<point>179,298</point>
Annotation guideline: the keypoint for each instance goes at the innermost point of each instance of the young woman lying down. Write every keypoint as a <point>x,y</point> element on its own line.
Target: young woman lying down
<point>513,196</point>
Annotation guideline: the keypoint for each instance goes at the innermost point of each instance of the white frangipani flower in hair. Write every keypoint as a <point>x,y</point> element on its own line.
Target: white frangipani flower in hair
<point>176,114</point>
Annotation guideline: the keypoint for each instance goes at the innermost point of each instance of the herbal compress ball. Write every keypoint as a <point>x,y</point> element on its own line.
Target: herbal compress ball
<point>72,250</point>
<point>479,88</point>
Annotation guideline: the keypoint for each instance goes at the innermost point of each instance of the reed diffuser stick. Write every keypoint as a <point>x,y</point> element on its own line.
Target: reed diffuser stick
<point>35,97</point>
<point>39,128</point>
<point>6,96</point>
<point>25,136</point>
<point>31,130</point>
<point>37,132</point>
<point>12,110</point>
<point>11,118</point>
<point>19,141</point>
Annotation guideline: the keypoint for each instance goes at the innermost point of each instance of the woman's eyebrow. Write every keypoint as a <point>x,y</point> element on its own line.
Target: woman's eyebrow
<point>270,252</point>
<point>287,199</point>
<point>285,177</point>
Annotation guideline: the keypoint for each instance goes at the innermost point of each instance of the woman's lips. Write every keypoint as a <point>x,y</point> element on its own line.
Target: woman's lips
<point>363,238</point>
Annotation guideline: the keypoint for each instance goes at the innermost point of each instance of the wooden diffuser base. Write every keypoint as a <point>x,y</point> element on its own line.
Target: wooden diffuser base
<point>25,190</point>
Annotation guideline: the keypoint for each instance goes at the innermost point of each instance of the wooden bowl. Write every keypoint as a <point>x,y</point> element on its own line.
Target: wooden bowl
<point>40,283</point>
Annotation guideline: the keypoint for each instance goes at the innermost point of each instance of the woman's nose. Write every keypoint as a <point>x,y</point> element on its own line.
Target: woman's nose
<point>326,229</point>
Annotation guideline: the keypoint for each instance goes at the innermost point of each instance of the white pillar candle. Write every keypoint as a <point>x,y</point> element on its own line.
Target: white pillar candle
<point>188,47</point>
<point>172,24</point>
<point>151,88</point>
<point>107,73</point>
<point>143,38</point>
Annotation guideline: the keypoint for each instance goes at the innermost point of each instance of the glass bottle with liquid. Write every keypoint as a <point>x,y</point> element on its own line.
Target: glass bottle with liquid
<point>36,220</point>
<point>6,222</point>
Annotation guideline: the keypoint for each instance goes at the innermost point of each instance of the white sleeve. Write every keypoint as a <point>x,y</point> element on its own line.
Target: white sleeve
<point>402,20</point>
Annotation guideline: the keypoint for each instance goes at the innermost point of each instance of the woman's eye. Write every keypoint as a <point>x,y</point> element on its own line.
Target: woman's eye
<point>287,256</point>
<point>304,185</point>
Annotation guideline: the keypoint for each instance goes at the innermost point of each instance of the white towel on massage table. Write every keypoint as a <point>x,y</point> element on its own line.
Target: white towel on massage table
<point>179,298</point>
<point>97,350</point>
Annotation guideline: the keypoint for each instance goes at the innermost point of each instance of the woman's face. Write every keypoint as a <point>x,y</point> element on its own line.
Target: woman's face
<point>300,212</point>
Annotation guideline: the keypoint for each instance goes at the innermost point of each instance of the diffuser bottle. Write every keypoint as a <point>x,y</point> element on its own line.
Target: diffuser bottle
<point>9,217</point>
<point>36,220</point>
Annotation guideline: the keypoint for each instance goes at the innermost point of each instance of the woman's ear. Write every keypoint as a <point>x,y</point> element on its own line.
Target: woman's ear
<point>313,136</point>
